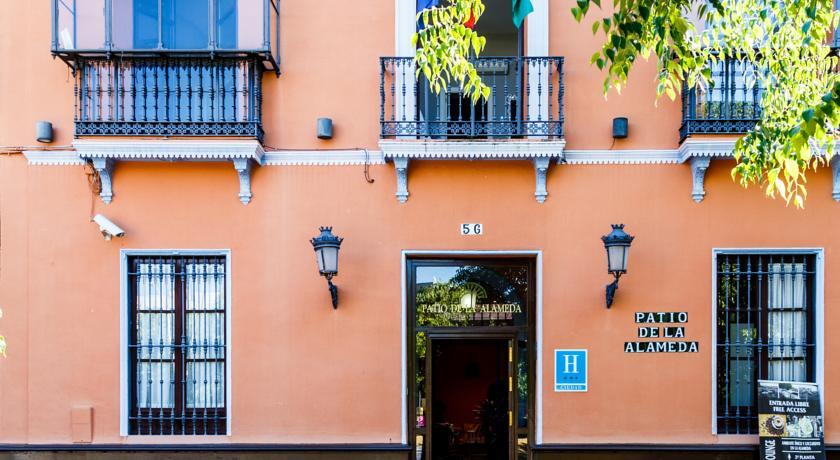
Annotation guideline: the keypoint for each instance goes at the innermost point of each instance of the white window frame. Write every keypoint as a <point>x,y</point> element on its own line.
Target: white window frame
<point>125,254</point>
<point>819,317</point>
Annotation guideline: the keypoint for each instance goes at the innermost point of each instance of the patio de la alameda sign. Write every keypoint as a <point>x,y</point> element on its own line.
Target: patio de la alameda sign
<point>661,325</point>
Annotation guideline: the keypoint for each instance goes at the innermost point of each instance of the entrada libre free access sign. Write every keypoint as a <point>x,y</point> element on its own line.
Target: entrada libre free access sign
<point>790,423</point>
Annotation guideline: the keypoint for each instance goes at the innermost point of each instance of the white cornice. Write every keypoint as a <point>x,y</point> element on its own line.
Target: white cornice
<point>105,154</point>
<point>699,154</point>
<point>53,157</point>
<point>632,157</point>
<point>184,150</point>
<point>323,158</point>
<point>472,150</point>
<point>710,148</point>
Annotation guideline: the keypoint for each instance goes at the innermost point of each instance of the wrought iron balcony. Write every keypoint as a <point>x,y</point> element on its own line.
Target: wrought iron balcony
<point>170,96</point>
<point>731,104</point>
<point>202,28</point>
<point>526,100</point>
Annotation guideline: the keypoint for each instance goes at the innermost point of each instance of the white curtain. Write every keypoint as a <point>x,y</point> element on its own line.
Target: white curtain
<point>205,335</point>
<point>787,327</point>
<point>155,335</point>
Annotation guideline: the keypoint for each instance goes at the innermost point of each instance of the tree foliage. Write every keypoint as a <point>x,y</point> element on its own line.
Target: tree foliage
<point>444,45</point>
<point>787,41</point>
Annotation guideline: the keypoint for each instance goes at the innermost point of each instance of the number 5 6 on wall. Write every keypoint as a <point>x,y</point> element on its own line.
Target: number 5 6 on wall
<point>472,229</point>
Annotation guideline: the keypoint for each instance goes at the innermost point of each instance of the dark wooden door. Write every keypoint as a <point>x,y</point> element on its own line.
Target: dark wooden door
<point>471,407</point>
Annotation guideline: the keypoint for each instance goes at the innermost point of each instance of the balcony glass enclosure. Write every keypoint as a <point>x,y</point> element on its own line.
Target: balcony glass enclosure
<point>167,67</point>
<point>97,27</point>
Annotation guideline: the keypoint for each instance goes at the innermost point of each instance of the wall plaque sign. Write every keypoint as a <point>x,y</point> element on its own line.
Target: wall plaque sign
<point>660,331</point>
<point>790,424</point>
<point>570,371</point>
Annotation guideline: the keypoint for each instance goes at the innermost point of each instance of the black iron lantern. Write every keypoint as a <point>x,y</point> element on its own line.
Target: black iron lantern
<point>326,247</point>
<point>617,243</point>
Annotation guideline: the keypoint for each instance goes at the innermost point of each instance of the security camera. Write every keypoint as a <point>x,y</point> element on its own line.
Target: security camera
<point>108,228</point>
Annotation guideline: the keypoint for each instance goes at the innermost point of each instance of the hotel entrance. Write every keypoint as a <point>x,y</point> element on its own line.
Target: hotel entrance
<point>471,357</point>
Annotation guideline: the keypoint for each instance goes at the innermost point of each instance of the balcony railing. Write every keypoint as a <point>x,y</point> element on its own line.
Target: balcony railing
<point>169,97</point>
<point>526,100</point>
<point>731,104</point>
<point>89,28</point>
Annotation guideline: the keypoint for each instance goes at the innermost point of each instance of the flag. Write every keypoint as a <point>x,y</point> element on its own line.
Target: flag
<point>426,4</point>
<point>471,21</point>
<point>521,8</point>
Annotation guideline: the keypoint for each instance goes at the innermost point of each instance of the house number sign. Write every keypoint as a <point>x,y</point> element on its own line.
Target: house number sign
<point>472,229</point>
<point>657,326</point>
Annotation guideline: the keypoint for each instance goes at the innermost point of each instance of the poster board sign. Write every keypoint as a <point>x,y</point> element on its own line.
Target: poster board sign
<point>790,423</point>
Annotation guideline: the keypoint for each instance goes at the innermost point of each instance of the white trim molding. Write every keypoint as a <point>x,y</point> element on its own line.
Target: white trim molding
<point>699,154</point>
<point>540,152</point>
<point>472,150</point>
<point>621,157</point>
<point>323,158</point>
<point>171,150</point>
<point>124,327</point>
<point>104,155</point>
<point>53,158</point>
<point>711,148</point>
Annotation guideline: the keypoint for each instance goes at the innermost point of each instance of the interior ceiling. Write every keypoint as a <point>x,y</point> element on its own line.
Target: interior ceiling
<point>497,18</point>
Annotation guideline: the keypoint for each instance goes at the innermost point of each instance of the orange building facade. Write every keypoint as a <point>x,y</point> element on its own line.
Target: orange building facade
<point>471,271</point>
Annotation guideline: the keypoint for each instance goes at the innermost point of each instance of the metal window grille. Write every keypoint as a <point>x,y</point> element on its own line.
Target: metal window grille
<point>765,330</point>
<point>177,345</point>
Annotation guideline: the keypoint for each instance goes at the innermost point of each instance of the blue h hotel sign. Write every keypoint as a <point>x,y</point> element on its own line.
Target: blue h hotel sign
<point>570,370</point>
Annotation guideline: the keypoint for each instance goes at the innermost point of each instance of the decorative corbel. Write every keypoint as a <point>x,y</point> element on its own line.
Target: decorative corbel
<point>541,169</point>
<point>699,165</point>
<point>105,168</point>
<point>835,175</point>
<point>401,166</point>
<point>243,169</point>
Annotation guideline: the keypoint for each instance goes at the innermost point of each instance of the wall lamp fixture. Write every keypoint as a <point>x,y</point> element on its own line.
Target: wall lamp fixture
<point>617,244</point>
<point>326,247</point>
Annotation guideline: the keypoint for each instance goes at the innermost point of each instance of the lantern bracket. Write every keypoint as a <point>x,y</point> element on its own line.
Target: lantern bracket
<point>333,292</point>
<point>611,288</point>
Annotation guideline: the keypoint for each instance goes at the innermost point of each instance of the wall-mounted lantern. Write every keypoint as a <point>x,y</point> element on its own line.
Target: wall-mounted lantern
<point>44,132</point>
<point>617,243</point>
<point>326,247</point>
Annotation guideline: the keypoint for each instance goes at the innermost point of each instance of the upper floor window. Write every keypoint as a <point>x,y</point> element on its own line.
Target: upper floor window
<point>183,24</point>
<point>177,346</point>
<point>765,330</point>
<point>85,28</point>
